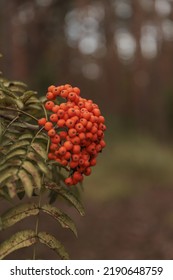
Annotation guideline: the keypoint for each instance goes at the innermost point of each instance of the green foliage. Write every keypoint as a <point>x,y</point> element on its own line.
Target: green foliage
<point>25,171</point>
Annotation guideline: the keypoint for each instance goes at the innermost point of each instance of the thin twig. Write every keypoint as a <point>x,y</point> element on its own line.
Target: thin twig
<point>18,110</point>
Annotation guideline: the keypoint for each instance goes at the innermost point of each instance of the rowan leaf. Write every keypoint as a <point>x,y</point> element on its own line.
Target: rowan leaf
<point>26,181</point>
<point>18,144</point>
<point>27,95</point>
<point>30,168</point>
<point>62,218</point>
<point>18,213</point>
<point>54,244</point>
<point>26,136</point>
<point>68,195</point>
<point>40,149</point>
<point>21,239</point>
<point>15,153</point>
<point>7,174</point>
<point>42,166</point>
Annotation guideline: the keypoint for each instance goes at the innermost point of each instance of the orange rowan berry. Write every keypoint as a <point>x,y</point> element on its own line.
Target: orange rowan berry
<point>73,164</point>
<point>77,112</point>
<point>89,135</point>
<point>71,112</point>
<point>68,145</point>
<point>76,149</point>
<point>58,159</point>
<point>88,106</point>
<point>101,119</point>
<point>102,126</point>
<point>67,155</point>
<point>72,132</point>
<point>50,96</point>
<point>60,113</point>
<point>81,135</point>
<point>51,156</point>
<point>69,181</point>
<point>56,91</point>
<point>79,127</point>
<point>61,123</point>
<point>75,140</point>
<point>63,106</point>
<point>42,121</point>
<point>49,105</point>
<point>100,133</point>
<point>102,143</point>
<point>51,132</point>
<point>61,87</point>
<point>64,93</point>
<point>87,171</point>
<point>89,125</point>
<point>94,129</point>
<point>62,151</point>
<point>75,157</point>
<point>63,134</point>
<point>93,161</point>
<point>66,86</point>
<point>91,148</point>
<point>98,148</point>
<point>64,162</point>
<point>81,104</point>
<point>77,176</point>
<point>69,123</point>
<point>95,137</point>
<point>81,162</point>
<point>53,118</point>
<point>50,88</point>
<point>53,147</point>
<point>92,118</point>
<point>71,96</point>
<point>55,108</point>
<point>56,139</point>
<point>86,163</point>
<point>86,115</point>
<point>76,90</point>
<point>96,112</point>
<point>83,121</point>
<point>48,126</point>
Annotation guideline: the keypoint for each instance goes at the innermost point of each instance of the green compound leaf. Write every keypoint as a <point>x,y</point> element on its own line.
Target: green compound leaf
<point>62,218</point>
<point>27,95</point>
<point>40,149</point>
<point>17,241</point>
<point>30,168</point>
<point>42,166</point>
<point>18,144</point>
<point>68,195</point>
<point>26,181</point>
<point>7,174</point>
<point>14,162</point>
<point>26,136</point>
<point>54,244</point>
<point>18,213</point>
<point>16,153</point>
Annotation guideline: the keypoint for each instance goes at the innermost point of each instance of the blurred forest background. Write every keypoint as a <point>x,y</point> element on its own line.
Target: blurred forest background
<point>120,53</point>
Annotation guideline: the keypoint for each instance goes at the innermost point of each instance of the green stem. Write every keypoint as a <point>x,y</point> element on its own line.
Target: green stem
<point>36,227</point>
<point>39,205</point>
<point>10,124</point>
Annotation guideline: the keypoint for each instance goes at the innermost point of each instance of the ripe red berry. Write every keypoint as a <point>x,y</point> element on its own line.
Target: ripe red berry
<point>48,126</point>
<point>49,105</point>
<point>42,121</point>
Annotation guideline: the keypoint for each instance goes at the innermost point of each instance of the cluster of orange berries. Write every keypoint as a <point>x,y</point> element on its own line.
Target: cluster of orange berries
<point>76,130</point>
